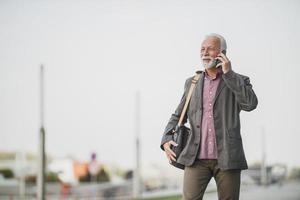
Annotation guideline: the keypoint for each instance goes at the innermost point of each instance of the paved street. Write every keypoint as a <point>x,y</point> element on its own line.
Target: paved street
<point>288,191</point>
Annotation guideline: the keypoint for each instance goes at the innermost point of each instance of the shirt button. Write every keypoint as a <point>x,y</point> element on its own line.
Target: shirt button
<point>209,129</point>
<point>210,104</point>
<point>209,116</point>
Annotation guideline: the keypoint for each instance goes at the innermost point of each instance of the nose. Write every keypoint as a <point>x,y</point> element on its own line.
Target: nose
<point>204,52</point>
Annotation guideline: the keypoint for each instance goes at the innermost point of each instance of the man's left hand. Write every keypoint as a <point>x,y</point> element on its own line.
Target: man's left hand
<point>225,63</point>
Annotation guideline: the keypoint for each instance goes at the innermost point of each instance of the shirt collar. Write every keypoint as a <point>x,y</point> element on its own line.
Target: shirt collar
<point>219,72</point>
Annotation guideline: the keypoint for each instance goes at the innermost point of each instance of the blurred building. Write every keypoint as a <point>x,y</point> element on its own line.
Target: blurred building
<point>22,164</point>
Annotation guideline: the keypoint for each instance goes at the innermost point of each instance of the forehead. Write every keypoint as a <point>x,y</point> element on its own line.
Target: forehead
<point>211,41</point>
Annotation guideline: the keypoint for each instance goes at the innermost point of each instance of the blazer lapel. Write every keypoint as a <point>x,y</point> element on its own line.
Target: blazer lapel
<point>197,97</point>
<point>219,89</point>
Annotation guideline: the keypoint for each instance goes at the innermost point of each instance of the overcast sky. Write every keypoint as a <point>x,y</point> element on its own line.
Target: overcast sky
<point>97,54</point>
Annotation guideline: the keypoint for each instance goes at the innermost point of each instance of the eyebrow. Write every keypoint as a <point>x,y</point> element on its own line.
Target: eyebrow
<point>208,47</point>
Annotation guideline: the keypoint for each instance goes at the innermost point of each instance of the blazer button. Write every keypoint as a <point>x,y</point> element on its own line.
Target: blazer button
<point>198,126</point>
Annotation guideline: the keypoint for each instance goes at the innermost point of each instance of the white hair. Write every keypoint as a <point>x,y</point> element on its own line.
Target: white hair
<point>223,44</point>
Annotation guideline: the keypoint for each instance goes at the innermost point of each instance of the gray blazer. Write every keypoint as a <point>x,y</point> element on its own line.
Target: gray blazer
<point>233,94</point>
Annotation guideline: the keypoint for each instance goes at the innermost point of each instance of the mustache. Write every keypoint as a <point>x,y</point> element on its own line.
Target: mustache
<point>207,58</point>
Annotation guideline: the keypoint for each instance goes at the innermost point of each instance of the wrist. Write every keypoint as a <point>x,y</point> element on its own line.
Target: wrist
<point>226,70</point>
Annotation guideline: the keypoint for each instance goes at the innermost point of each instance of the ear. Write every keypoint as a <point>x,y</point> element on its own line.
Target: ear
<point>224,52</point>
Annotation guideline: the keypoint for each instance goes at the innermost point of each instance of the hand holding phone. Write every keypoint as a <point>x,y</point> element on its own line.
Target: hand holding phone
<point>224,62</point>
<point>218,61</point>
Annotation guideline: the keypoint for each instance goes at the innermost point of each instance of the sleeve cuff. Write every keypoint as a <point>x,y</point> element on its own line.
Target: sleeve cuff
<point>165,139</point>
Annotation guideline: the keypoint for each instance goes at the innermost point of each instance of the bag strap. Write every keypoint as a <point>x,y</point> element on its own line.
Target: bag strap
<point>188,98</point>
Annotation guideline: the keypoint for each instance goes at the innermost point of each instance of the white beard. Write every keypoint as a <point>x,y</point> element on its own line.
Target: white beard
<point>207,65</point>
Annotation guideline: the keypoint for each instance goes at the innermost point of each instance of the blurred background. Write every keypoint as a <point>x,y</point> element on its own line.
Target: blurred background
<point>100,80</point>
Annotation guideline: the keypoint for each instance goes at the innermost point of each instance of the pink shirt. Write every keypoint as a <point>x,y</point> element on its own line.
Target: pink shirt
<point>208,146</point>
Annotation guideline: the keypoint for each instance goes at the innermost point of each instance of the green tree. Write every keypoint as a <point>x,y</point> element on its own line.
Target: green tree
<point>7,173</point>
<point>295,173</point>
<point>103,176</point>
<point>52,177</point>
<point>85,178</point>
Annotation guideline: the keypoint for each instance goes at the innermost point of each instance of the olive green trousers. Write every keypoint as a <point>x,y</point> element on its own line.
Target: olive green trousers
<point>197,177</point>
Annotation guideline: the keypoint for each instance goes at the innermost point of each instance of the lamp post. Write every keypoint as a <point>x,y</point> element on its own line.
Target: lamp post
<point>136,174</point>
<point>41,151</point>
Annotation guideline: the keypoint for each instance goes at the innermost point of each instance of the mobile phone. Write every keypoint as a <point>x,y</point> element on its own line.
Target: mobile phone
<point>219,61</point>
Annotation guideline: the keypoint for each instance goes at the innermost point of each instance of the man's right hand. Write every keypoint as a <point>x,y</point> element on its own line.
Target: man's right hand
<point>169,153</point>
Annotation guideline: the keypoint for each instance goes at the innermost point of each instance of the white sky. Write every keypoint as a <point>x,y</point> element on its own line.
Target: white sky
<point>97,54</point>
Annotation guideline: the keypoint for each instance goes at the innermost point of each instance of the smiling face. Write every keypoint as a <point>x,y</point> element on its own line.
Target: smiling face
<point>210,48</point>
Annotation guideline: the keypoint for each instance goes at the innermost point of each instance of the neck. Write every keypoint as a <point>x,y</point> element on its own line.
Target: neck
<point>212,72</point>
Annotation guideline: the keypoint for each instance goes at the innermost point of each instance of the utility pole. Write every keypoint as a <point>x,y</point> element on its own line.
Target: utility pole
<point>263,173</point>
<point>42,155</point>
<point>136,174</point>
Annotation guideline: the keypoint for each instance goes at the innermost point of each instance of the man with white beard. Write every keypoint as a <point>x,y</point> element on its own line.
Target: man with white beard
<point>214,146</point>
